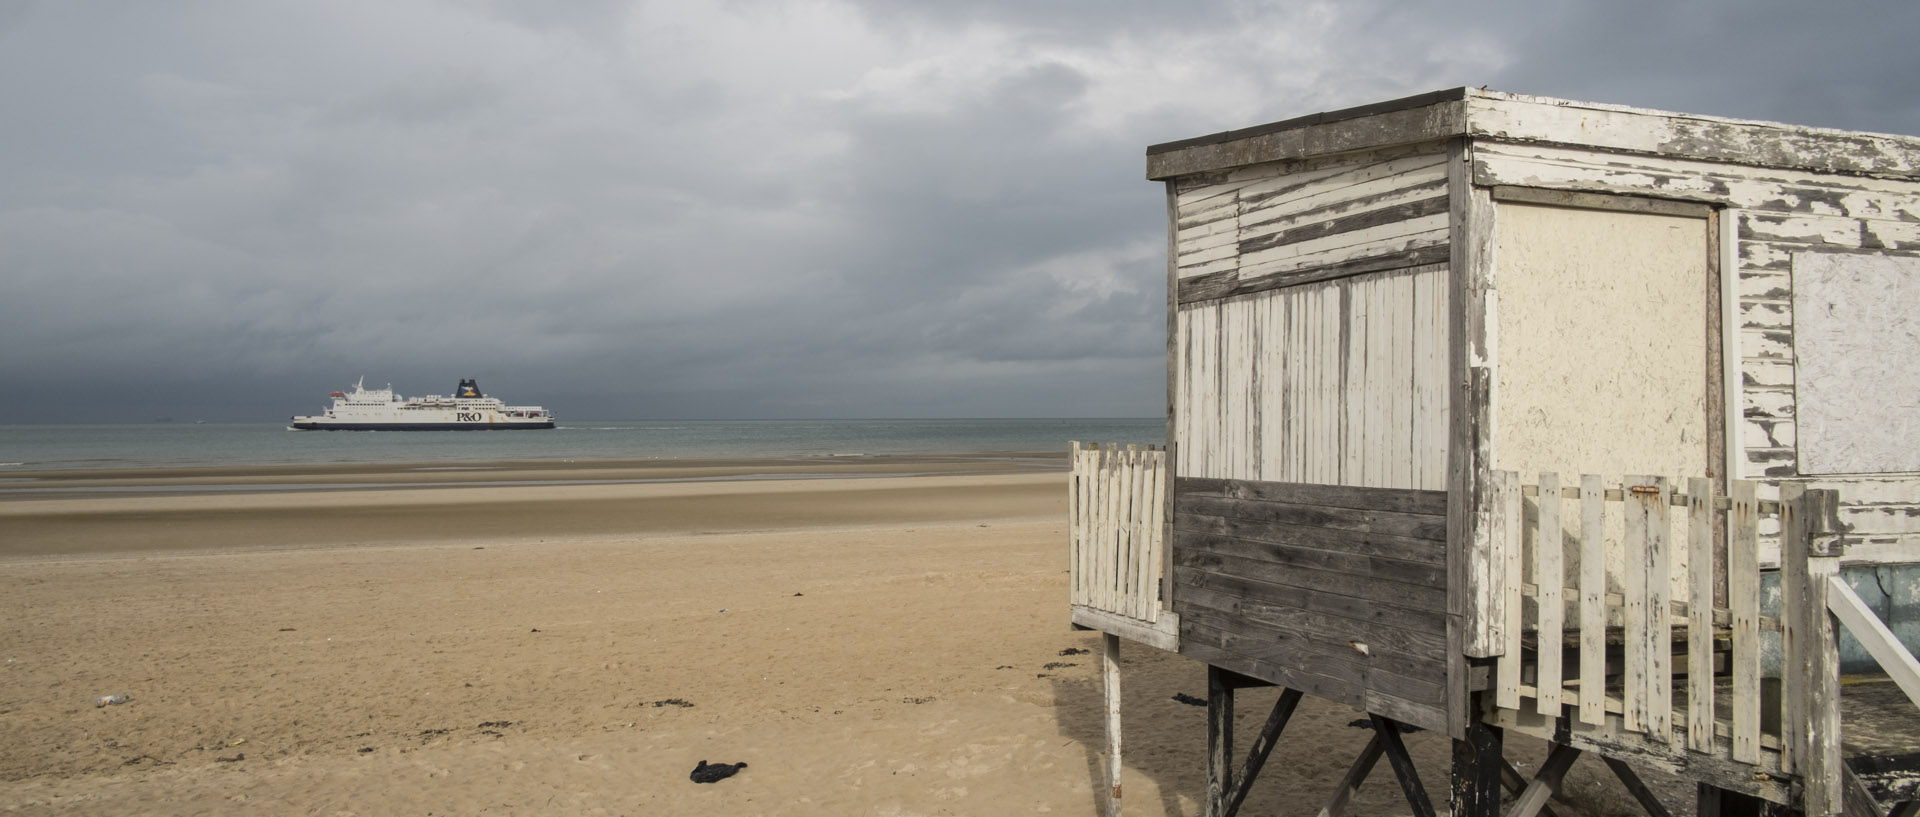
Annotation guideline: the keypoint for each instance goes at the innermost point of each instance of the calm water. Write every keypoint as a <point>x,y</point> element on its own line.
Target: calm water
<point>33,447</point>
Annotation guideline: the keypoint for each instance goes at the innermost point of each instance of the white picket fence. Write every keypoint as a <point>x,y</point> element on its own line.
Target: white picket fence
<point>1631,540</point>
<point>1116,510</point>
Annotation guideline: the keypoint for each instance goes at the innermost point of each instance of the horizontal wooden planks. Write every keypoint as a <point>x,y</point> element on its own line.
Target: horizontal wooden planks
<point>1337,591</point>
<point>1270,225</point>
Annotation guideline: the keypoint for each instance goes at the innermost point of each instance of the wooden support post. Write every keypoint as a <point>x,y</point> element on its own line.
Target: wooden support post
<point>1855,800</point>
<point>1718,802</point>
<point>1356,774</point>
<point>1546,783</point>
<point>1219,741</point>
<point>1638,789</point>
<point>1514,783</point>
<point>1389,732</point>
<point>1110,675</point>
<point>1478,764</point>
<point>1809,556</point>
<point>1262,746</point>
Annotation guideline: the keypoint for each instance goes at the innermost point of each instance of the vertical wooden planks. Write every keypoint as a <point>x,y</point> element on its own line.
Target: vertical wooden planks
<point>1743,601</point>
<point>1128,556</point>
<point>1550,578</point>
<point>1593,600</point>
<point>1793,631</point>
<point>1073,522</point>
<point>1110,687</point>
<point>1505,538</point>
<point>1659,612</point>
<point>1634,609</point>
<point>1353,391</point>
<point>1156,532</point>
<point>1700,614</point>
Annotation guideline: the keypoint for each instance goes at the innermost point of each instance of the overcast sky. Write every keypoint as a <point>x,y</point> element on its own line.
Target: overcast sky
<point>926,208</point>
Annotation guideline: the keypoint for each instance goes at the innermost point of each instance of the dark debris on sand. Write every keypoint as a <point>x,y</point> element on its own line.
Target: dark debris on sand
<point>714,772</point>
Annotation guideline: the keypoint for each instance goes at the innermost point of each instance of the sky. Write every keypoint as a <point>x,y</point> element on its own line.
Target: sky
<point>732,209</point>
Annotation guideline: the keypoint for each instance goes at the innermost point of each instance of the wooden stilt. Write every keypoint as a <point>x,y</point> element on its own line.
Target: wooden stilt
<point>1219,741</point>
<point>1389,733</point>
<point>1262,746</point>
<point>1638,789</point>
<point>1546,783</point>
<point>1855,800</point>
<point>1110,675</point>
<point>1477,768</point>
<point>1514,783</point>
<point>1718,802</point>
<point>1357,774</point>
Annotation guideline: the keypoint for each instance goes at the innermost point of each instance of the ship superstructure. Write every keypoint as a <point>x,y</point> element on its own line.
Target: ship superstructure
<point>365,409</point>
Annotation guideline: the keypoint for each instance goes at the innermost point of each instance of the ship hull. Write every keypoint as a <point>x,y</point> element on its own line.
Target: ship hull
<point>336,425</point>
<point>382,410</point>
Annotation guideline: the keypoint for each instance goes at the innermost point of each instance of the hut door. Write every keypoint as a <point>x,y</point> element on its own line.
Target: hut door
<point>1607,350</point>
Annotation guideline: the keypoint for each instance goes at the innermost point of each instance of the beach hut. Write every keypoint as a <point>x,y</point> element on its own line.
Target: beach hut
<point>1494,413</point>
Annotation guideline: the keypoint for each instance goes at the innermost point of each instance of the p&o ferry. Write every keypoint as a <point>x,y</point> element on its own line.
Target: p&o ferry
<point>365,409</point>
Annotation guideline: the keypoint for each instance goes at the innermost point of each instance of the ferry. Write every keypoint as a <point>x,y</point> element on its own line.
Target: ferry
<point>365,409</point>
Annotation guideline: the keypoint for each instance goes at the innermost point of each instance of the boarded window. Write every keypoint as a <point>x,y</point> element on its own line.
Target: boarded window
<point>1856,345</point>
<point>1602,342</point>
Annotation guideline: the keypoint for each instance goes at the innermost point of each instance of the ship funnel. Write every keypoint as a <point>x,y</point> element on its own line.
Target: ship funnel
<point>468,388</point>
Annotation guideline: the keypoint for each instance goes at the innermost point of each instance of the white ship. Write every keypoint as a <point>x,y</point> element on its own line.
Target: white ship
<point>365,409</point>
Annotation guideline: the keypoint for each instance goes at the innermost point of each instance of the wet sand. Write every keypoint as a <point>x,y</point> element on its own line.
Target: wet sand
<point>349,641</point>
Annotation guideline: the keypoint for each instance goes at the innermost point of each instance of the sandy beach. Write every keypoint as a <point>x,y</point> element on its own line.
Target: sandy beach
<point>882,637</point>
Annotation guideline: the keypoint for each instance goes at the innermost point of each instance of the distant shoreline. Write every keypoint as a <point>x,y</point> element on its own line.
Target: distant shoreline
<point>163,480</point>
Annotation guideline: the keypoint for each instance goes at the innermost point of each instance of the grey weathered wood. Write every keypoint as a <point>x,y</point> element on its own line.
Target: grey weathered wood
<point>1219,742</point>
<point>1261,748</point>
<point>1659,633</point>
<point>1875,636</point>
<point>1110,685</point>
<point>1506,562</point>
<point>1545,783</point>
<point>1392,500</point>
<point>1743,601</point>
<point>1418,526</point>
<point>1479,769</point>
<point>1601,201</point>
<point>1614,740</point>
<point>1511,780</point>
<point>1647,799</point>
<point>1795,639</point>
<point>1356,775</point>
<point>1161,634</point>
<point>1396,751</point>
<point>1700,560</point>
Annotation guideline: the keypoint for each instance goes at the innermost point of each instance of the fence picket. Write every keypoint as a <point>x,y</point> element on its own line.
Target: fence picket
<point>1659,631</point>
<point>1743,601</point>
<point>1550,578</point>
<point>1593,600</point>
<point>1505,537</point>
<point>1634,586</point>
<point>1700,614</point>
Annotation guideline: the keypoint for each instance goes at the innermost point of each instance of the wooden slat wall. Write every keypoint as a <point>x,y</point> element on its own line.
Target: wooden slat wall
<point>1337,591</point>
<point>1774,213</point>
<point>1341,382</point>
<point>1271,225</point>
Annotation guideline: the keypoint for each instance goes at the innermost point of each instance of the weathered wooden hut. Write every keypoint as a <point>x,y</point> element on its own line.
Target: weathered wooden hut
<point>1494,412</point>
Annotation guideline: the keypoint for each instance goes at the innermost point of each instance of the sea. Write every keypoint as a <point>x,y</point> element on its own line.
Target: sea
<point>166,445</point>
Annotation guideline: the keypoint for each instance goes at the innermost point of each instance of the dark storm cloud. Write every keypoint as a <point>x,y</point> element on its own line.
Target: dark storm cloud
<point>740,209</point>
